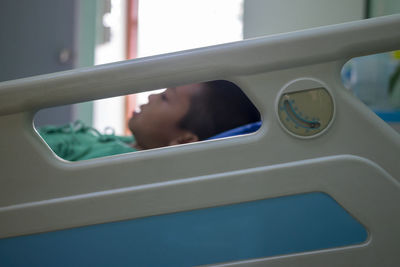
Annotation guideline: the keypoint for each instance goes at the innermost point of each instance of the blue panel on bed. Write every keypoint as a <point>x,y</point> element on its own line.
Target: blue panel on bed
<point>227,233</point>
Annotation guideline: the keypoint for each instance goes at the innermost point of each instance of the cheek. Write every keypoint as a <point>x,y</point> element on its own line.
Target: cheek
<point>165,118</point>
<point>157,122</point>
<point>163,123</point>
<point>153,123</point>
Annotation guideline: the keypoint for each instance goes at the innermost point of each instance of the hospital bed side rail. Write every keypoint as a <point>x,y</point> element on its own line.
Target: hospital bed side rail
<point>353,162</point>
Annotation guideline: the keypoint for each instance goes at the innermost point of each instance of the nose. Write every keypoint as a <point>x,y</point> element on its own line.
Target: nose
<point>151,97</point>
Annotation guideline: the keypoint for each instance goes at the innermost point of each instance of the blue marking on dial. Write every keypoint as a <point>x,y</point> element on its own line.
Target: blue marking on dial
<point>296,117</point>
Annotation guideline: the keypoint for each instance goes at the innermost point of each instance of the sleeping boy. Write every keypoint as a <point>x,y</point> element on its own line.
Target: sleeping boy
<point>179,115</point>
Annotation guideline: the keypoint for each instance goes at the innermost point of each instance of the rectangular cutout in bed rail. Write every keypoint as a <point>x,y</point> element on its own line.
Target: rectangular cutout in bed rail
<point>375,80</point>
<point>175,116</point>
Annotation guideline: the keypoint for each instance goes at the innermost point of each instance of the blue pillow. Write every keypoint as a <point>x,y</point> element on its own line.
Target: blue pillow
<point>244,129</point>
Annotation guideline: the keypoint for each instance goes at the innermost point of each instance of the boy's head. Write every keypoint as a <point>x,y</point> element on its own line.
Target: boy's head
<point>191,113</point>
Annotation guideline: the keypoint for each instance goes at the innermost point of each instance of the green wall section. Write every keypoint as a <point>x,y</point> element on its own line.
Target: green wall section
<point>86,32</point>
<point>384,7</point>
<point>86,16</point>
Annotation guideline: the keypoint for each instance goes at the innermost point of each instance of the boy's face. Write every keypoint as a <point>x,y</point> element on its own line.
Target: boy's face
<point>156,125</point>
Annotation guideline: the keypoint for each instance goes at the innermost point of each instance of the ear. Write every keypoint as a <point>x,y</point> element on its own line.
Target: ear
<point>184,138</point>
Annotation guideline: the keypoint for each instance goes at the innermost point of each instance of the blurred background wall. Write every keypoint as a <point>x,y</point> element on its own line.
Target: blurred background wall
<point>45,36</point>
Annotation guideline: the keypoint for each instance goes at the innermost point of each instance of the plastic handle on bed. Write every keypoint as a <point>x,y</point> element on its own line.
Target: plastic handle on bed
<point>245,129</point>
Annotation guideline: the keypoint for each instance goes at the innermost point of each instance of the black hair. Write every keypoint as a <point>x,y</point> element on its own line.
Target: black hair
<point>220,106</point>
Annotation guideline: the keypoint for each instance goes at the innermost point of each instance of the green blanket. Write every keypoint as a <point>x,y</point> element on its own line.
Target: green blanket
<point>76,141</point>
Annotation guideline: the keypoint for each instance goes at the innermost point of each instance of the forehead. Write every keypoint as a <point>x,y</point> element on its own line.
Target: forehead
<point>185,91</point>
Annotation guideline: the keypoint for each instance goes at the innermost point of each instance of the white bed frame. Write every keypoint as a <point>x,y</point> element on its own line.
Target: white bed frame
<point>356,161</point>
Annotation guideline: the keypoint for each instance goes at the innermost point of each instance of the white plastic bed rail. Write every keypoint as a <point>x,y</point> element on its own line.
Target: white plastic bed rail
<point>356,161</point>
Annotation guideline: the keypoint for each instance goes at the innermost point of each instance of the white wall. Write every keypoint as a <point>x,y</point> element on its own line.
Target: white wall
<point>174,25</point>
<point>264,17</point>
<point>109,112</point>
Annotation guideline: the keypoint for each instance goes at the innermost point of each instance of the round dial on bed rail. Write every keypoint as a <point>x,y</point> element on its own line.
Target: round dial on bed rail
<point>305,112</point>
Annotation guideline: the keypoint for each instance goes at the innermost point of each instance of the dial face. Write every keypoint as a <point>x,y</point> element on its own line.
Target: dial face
<point>306,113</point>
